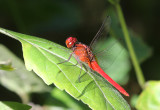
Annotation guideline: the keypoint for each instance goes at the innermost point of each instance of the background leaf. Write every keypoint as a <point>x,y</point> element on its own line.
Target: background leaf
<point>6,105</point>
<point>149,99</point>
<point>114,2</point>
<point>42,57</point>
<point>6,65</point>
<point>20,80</point>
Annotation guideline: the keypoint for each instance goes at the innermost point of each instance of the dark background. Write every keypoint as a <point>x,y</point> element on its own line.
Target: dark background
<point>55,20</point>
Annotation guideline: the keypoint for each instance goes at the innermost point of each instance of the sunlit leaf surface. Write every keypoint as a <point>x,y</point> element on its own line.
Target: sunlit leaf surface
<point>43,56</point>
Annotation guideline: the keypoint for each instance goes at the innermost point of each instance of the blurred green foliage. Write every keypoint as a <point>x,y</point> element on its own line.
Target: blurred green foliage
<point>6,105</point>
<point>149,99</point>
<point>6,65</point>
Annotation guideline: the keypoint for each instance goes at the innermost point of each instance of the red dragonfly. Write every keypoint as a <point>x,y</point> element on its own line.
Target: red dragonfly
<point>83,53</point>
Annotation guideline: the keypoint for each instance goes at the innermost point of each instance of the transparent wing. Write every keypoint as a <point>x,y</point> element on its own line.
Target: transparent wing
<point>102,33</point>
<point>108,56</point>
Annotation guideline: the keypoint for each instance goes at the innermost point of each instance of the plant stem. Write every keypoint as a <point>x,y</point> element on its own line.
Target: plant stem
<point>136,65</point>
<point>25,98</point>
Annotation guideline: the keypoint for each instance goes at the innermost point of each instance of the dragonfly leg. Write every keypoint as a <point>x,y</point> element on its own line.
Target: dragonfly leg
<point>80,70</point>
<point>67,59</point>
<point>75,64</point>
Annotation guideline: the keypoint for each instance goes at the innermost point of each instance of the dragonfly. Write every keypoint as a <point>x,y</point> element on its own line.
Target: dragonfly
<point>84,53</point>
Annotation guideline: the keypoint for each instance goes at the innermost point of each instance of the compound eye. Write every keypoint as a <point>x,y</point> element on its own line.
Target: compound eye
<point>71,41</point>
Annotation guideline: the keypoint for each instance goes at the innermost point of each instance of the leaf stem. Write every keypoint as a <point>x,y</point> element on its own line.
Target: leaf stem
<point>136,65</point>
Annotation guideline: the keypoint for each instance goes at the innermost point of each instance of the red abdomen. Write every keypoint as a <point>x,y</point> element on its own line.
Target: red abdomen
<point>97,68</point>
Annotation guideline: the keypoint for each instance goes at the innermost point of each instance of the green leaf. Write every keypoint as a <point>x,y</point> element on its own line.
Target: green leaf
<point>43,56</point>
<point>113,2</point>
<point>49,107</point>
<point>149,99</point>
<point>6,65</point>
<point>20,80</point>
<point>6,105</point>
<point>133,100</point>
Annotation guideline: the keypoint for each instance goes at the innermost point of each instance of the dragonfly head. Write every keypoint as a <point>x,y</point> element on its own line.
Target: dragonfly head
<point>70,42</point>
